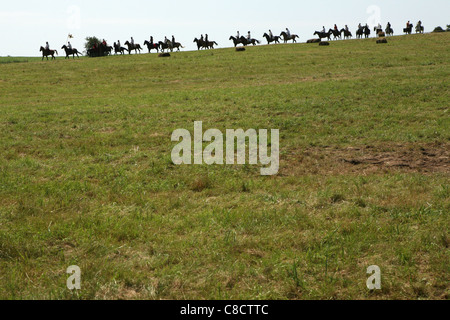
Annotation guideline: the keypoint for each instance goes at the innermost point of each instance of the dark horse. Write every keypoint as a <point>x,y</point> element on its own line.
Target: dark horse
<point>164,45</point>
<point>363,31</point>
<point>119,49</point>
<point>47,52</point>
<point>136,47</point>
<point>210,44</point>
<point>247,42</point>
<point>335,33</point>
<point>323,35</point>
<point>275,39</point>
<point>408,30</point>
<point>287,37</point>
<point>200,43</point>
<point>236,41</point>
<point>108,50</point>
<point>347,34</point>
<point>69,52</point>
<point>389,31</point>
<point>177,45</point>
<point>151,46</point>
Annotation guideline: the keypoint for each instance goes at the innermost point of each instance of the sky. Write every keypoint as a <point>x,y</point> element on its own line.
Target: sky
<point>27,24</point>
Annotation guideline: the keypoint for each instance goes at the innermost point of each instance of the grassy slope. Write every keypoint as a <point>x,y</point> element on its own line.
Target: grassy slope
<point>86,176</point>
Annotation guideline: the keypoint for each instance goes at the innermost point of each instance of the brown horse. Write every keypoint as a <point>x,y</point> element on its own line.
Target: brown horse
<point>287,37</point>
<point>347,34</point>
<point>136,47</point>
<point>176,45</point>
<point>47,52</point>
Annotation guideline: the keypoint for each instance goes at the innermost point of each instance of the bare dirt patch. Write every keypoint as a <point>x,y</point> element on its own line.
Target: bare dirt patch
<point>368,159</point>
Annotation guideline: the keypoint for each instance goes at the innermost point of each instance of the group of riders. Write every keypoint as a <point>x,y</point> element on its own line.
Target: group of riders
<point>102,48</point>
<point>365,30</point>
<point>204,43</point>
<point>270,37</point>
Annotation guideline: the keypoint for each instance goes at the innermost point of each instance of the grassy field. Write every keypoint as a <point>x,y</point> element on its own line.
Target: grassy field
<point>86,176</point>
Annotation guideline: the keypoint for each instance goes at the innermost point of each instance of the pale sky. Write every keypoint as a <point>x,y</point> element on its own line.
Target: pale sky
<point>26,25</point>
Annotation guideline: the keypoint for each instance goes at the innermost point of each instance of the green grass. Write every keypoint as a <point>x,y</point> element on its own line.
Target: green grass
<point>86,176</point>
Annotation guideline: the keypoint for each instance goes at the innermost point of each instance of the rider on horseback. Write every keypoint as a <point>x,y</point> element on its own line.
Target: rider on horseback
<point>419,25</point>
<point>270,34</point>
<point>288,33</point>
<point>249,37</point>
<point>69,45</point>
<point>47,46</point>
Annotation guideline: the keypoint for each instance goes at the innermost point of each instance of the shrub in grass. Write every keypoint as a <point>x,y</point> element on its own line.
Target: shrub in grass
<point>200,184</point>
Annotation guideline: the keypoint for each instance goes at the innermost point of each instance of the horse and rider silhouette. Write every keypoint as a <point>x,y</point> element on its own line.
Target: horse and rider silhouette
<point>323,35</point>
<point>69,52</point>
<point>288,37</point>
<point>363,31</point>
<point>47,52</point>
<point>151,46</point>
<point>269,39</point>
<point>131,46</point>
<point>244,41</point>
<point>347,34</point>
<point>203,44</point>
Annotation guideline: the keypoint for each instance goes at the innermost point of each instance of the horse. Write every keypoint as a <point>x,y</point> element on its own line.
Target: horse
<point>347,34</point>
<point>287,37</point>
<point>118,49</point>
<point>323,35</point>
<point>275,39</point>
<point>247,42</point>
<point>377,30</point>
<point>420,29</point>
<point>366,31</point>
<point>408,30</point>
<point>176,45</point>
<point>48,52</point>
<point>200,43</point>
<point>363,31</point>
<point>136,47</point>
<point>69,52</point>
<point>335,33</point>
<point>165,45</point>
<point>151,46</point>
<point>389,31</point>
<point>236,41</point>
<point>108,50</point>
